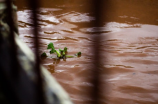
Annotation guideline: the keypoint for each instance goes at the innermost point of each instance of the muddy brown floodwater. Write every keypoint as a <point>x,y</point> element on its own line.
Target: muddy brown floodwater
<point>129,47</point>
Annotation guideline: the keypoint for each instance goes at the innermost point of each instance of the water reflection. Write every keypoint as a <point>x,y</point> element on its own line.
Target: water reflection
<point>129,46</point>
<point>51,66</point>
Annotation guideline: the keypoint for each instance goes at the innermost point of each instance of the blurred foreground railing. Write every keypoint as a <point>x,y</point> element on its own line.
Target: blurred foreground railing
<point>34,94</point>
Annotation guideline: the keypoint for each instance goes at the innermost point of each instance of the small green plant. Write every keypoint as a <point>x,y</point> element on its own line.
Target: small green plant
<point>43,54</point>
<point>78,54</point>
<point>60,54</point>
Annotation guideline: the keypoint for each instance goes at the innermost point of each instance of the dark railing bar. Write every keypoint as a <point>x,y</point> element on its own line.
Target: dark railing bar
<point>34,4</point>
<point>97,10</point>
<point>13,48</point>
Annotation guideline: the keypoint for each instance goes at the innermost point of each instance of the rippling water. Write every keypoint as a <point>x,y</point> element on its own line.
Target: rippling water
<point>129,48</point>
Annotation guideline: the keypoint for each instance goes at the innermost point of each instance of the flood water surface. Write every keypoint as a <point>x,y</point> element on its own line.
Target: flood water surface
<point>129,48</point>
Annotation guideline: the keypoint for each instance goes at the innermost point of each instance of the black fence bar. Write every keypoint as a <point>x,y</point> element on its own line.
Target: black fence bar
<point>96,62</point>
<point>34,4</point>
<point>13,51</point>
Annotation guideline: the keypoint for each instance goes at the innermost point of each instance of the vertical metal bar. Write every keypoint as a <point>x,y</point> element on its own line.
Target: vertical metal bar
<point>96,71</point>
<point>34,4</point>
<point>13,48</point>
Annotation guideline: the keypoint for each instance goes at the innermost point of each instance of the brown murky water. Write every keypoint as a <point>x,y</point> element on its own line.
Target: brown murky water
<point>130,48</point>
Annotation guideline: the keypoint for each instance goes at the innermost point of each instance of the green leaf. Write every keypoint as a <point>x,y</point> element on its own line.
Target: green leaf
<point>50,46</point>
<point>43,54</point>
<point>78,54</point>
<point>63,52</point>
<point>52,51</point>
<point>65,49</point>
<point>60,50</point>
<point>69,56</point>
<point>58,54</point>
